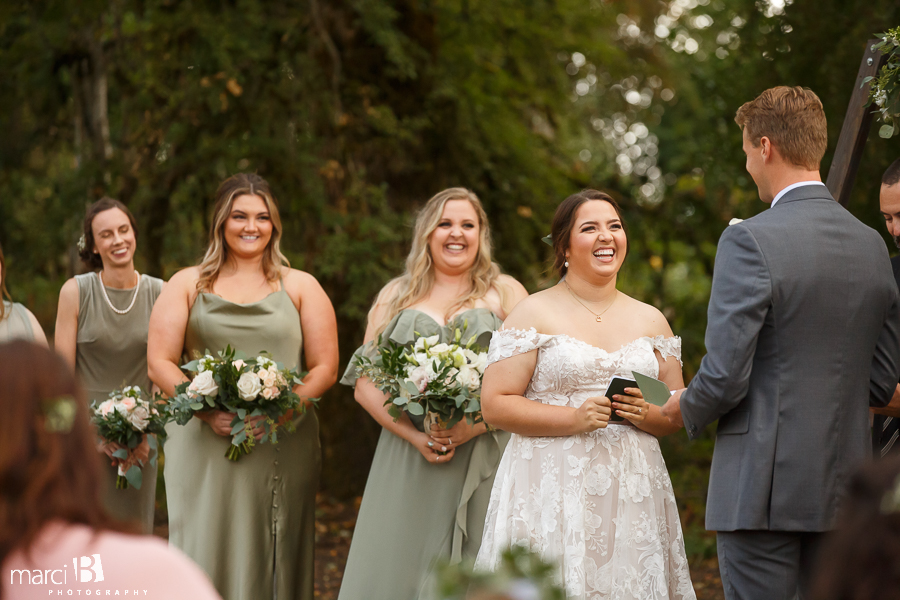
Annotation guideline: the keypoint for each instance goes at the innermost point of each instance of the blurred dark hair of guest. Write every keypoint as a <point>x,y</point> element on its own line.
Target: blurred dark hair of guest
<point>49,467</point>
<point>861,558</point>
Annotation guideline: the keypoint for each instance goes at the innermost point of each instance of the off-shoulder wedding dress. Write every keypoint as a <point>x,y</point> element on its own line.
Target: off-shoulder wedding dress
<point>598,504</point>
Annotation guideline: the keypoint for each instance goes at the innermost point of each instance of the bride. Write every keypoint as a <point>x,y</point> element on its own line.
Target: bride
<point>590,494</point>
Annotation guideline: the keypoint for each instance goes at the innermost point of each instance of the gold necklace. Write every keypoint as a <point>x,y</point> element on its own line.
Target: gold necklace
<point>598,315</point>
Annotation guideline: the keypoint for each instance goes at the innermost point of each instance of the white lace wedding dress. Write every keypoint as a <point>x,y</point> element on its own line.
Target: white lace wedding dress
<point>598,504</point>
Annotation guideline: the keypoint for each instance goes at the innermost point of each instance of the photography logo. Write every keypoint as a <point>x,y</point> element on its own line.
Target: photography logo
<point>88,569</point>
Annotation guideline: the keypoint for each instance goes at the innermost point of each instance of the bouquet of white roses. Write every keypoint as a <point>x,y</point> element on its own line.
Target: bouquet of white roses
<point>884,91</point>
<point>440,380</point>
<point>249,387</point>
<point>124,419</point>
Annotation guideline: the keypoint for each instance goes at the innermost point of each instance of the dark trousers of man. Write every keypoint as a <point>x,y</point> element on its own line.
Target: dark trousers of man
<point>766,565</point>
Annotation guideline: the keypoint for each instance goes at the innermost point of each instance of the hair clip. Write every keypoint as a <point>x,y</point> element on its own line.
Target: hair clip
<point>890,502</point>
<point>59,414</point>
<point>547,239</point>
<point>81,243</point>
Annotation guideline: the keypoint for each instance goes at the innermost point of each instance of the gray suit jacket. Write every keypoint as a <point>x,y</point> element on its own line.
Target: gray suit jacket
<point>803,335</point>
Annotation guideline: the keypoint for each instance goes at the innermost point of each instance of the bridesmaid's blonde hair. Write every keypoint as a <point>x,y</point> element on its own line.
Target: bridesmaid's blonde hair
<point>217,253</point>
<point>417,280</point>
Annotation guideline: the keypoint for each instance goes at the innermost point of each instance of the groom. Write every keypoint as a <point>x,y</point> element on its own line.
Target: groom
<point>803,336</point>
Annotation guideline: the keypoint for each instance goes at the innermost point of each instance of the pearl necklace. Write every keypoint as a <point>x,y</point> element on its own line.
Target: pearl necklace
<point>133,298</point>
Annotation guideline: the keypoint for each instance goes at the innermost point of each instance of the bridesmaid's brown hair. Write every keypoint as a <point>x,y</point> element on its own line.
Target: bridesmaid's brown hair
<point>49,467</point>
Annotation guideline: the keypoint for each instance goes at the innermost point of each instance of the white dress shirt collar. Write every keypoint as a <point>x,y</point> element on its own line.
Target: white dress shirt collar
<point>792,186</point>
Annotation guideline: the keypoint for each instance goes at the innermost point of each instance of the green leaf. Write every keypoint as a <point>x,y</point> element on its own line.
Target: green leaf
<point>415,408</point>
<point>886,131</point>
<point>135,477</point>
<point>196,405</point>
<point>237,427</point>
<point>239,438</point>
<point>241,413</point>
<point>121,453</point>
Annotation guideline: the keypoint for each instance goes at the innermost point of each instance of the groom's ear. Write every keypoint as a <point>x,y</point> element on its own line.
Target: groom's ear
<point>766,147</point>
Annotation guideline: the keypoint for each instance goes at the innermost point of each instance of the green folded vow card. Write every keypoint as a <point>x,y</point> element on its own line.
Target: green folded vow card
<point>654,390</point>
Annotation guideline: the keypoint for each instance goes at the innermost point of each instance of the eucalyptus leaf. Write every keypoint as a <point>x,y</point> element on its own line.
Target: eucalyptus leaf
<point>886,131</point>
<point>121,453</point>
<point>135,477</point>
<point>415,408</point>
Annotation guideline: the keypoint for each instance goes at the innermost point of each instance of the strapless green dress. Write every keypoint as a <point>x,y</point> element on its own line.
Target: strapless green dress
<point>249,524</point>
<point>415,513</point>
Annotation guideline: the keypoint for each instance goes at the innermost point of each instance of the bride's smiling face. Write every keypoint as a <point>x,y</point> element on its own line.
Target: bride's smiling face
<point>248,228</point>
<point>597,242</point>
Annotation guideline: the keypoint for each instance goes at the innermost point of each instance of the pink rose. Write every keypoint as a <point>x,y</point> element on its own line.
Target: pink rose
<point>269,393</point>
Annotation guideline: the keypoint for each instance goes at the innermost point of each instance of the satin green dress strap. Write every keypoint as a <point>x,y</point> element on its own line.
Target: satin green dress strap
<point>15,324</point>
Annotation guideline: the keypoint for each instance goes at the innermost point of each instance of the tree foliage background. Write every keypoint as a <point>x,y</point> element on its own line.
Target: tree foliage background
<point>357,111</point>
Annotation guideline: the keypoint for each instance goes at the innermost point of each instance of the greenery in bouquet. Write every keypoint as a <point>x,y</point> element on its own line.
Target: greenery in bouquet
<point>247,387</point>
<point>885,87</point>
<point>429,376</point>
<point>124,419</point>
<point>521,575</point>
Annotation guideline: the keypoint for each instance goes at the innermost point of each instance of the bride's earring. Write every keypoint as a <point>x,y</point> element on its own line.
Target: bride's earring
<point>567,264</point>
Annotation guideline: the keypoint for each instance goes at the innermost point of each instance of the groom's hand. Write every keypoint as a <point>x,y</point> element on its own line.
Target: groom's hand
<point>672,409</point>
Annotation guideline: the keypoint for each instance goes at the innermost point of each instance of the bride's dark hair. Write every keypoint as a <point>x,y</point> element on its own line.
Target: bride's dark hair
<point>565,217</point>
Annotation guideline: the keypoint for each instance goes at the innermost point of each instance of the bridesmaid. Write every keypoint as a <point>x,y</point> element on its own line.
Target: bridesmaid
<point>16,321</point>
<point>101,331</point>
<point>249,524</point>
<point>436,488</point>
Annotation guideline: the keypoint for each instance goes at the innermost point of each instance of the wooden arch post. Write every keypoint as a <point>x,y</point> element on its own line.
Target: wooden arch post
<point>855,129</point>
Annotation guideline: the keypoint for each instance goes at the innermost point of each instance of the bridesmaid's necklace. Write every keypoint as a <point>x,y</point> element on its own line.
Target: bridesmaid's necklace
<point>578,300</point>
<point>133,298</point>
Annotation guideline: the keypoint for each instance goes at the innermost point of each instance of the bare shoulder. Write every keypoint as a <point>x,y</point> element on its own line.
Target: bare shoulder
<point>651,319</point>
<point>69,292</point>
<point>185,278</point>
<point>533,311</point>
<point>297,281</point>
<point>512,286</point>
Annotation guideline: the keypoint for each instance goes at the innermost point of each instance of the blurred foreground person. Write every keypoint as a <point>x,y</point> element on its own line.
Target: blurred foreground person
<point>16,321</point>
<point>51,516</point>
<point>861,558</point>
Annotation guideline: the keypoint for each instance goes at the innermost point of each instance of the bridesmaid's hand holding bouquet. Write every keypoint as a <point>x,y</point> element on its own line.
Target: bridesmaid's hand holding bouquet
<point>131,428</point>
<point>257,391</point>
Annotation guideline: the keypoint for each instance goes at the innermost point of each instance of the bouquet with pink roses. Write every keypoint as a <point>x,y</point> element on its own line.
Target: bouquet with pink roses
<point>247,387</point>
<point>125,419</point>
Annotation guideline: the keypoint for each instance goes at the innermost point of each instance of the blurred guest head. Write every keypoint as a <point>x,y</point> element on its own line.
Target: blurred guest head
<point>109,234</point>
<point>784,130</point>
<point>861,558</point>
<point>4,294</point>
<point>245,224</point>
<point>572,217</point>
<point>451,236</point>
<point>889,199</point>
<point>49,467</point>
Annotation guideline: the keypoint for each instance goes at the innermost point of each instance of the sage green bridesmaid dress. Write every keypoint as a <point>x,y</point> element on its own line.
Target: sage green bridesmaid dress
<point>415,513</point>
<point>249,524</point>
<point>110,353</point>
<point>15,324</point>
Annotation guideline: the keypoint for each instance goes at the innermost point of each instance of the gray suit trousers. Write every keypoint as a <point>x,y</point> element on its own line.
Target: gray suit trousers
<point>766,565</point>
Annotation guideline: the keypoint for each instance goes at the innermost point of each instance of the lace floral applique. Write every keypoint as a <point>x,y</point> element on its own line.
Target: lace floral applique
<point>506,343</point>
<point>668,347</point>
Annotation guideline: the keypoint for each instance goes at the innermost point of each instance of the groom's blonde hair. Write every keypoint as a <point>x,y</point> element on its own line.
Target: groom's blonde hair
<point>794,121</point>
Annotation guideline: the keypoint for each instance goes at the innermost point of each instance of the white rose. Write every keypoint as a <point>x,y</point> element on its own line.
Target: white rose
<point>140,417</point>
<point>439,349</point>
<point>421,358</point>
<point>248,386</point>
<point>106,407</point>
<point>421,377</point>
<point>204,384</point>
